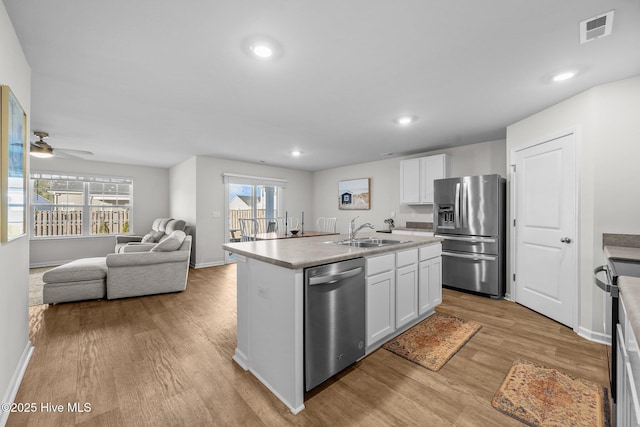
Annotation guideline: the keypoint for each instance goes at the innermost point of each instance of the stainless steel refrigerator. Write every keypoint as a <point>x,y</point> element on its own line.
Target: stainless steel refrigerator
<point>469,214</point>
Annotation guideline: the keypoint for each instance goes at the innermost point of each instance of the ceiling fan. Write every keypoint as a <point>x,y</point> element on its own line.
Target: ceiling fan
<point>43,150</point>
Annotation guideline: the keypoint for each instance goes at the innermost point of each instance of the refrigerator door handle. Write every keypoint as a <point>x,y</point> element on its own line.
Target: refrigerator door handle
<point>475,257</point>
<point>456,208</point>
<point>467,239</point>
<point>465,222</point>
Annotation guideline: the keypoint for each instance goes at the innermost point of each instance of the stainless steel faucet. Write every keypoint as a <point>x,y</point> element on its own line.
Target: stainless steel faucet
<point>353,230</point>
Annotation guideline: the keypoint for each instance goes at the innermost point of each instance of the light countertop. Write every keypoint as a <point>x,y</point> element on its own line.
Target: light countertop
<point>311,251</point>
<point>426,230</point>
<point>630,290</point>
<point>622,253</point>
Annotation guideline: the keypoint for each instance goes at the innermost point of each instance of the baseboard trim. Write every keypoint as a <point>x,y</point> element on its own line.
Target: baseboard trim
<point>16,379</point>
<point>598,337</point>
<point>48,264</point>
<point>209,264</point>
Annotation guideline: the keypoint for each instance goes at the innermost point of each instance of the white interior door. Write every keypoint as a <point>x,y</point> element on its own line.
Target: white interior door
<point>546,229</point>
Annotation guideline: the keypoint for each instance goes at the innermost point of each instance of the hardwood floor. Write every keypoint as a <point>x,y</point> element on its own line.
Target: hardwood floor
<point>166,360</point>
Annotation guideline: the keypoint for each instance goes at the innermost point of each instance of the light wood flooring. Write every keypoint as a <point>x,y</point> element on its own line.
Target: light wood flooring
<point>166,360</point>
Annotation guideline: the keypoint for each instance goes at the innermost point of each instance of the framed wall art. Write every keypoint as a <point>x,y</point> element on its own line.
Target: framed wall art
<point>354,194</point>
<point>13,182</point>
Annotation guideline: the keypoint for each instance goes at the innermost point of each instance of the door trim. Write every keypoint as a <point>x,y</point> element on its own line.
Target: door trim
<point>511,229</point>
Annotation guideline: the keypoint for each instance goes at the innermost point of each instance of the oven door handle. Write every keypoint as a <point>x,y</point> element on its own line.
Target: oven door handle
<point>475,257</point>
<point>605,286</point>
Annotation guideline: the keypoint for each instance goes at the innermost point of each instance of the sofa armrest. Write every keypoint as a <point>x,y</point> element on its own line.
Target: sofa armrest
<point>136,247</point>
<point>146,258</point>
<point>127,238</point>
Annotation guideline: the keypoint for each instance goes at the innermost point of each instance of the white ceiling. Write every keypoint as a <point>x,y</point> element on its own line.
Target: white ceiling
<point>155,82</point>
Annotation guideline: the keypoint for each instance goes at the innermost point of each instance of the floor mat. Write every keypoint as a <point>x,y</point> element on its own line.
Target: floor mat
<point>432,342</point>
<point>540,396</point>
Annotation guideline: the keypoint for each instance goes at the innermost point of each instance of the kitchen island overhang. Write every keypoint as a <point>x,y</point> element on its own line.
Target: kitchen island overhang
<point>270,303</point>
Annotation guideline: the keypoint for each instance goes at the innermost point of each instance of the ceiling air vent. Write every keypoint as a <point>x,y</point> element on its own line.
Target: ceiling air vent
<point>596,27</point>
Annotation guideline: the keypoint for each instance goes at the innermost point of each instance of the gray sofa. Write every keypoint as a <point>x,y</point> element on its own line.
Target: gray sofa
<point>160,229</point>
<point>151,272</point>
<point>162,268</point>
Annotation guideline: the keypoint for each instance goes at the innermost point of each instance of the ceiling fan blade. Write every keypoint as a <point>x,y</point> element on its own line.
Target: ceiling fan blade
<point>71,151</point>
<point>65,155</point>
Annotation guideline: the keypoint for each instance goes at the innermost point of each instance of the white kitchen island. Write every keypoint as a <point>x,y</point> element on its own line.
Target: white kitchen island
<point>403,286</point>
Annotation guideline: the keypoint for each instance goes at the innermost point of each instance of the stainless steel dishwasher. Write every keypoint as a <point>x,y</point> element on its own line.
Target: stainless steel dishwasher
<point>334,319</point>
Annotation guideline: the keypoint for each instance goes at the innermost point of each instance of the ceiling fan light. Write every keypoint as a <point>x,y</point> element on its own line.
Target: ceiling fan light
<point>41,155</point>
<point>41,152</point>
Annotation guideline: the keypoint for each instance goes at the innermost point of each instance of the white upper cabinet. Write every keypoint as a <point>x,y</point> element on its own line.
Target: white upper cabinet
<point>417,176</point>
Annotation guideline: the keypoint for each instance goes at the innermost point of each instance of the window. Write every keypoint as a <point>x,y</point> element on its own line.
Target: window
<point>65,205</point>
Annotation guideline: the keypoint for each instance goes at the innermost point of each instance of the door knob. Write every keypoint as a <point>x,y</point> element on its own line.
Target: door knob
<point>566,240</point>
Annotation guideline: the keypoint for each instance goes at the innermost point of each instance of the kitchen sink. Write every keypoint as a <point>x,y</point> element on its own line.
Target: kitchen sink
<point>368,242</point>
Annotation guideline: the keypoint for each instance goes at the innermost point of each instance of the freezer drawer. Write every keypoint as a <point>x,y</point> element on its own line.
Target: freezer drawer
<point>472,244</point>
<point>482,273</point>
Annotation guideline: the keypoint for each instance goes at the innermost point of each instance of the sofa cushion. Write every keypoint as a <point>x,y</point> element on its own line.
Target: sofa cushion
<point>78,270</point>
<point>173,225</point>
<point>162,225</point>
<point>171,243</point>
<point>152,237</point>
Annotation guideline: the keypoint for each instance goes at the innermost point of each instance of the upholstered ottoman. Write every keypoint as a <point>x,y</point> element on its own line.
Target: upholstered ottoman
<point>77,280</point>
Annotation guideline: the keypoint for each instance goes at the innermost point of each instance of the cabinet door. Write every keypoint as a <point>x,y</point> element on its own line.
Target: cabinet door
<point>410,181</point>
<point>435,282</point>
<point>406,294</point>
<point>429,284</point>
<point>623,391</point>
<point>380,306</point>
<point>432,168</point>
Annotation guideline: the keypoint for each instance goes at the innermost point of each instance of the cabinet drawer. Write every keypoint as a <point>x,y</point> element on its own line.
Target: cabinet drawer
<point>379,264</point>
<point>431,251</point>
<point>406,257</point>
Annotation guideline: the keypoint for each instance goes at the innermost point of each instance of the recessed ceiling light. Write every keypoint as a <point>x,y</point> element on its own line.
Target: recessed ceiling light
<point>405,120</point>
<point>563,76</point>
<point>262,47</point>
<point>296,153</point>
<point>262,51</point>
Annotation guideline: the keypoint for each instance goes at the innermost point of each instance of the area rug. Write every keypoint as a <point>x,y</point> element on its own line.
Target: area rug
<point>432,342</point>
<point>36,284</point>
<point>539,396</point>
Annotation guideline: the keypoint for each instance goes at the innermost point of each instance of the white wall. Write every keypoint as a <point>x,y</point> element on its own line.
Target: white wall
<point>476,159</point>
<point>14,256</point>
<point>183,192</point>
<point>199,180</point>
<point>150,200</point>
<point>606,118</point>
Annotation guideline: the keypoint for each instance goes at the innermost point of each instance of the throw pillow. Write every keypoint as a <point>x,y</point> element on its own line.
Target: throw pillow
<point>171,243</point>
<point>152,236</point>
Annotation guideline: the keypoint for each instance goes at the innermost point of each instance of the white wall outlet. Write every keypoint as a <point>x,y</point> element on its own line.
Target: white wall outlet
<point>216,214</point>
<point>393,214</point>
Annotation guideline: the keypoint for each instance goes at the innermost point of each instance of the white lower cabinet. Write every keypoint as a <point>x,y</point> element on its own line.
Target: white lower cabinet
<point>381,290</point>
<point>402,287</point>
<point>429,284</point>
<point>627,375</point>
<point>406,294</point>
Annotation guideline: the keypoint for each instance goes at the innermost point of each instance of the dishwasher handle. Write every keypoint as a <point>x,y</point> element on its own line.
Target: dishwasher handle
<point>333,278</point>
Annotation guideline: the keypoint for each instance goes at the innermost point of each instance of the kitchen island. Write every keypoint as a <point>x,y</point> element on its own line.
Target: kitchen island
<point>403,286</point>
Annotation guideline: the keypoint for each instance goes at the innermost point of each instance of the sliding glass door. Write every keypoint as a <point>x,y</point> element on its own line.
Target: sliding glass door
<point>250,197</point>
